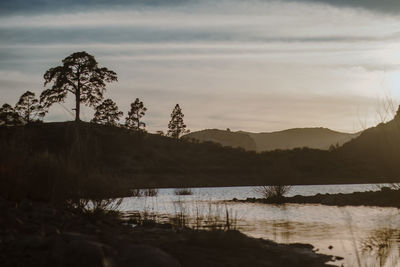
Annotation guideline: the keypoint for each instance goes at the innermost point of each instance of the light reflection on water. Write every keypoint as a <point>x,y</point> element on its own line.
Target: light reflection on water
<point>364,236</point>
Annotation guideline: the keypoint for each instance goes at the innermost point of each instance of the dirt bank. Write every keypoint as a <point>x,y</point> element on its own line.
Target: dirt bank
<point>38,234</point>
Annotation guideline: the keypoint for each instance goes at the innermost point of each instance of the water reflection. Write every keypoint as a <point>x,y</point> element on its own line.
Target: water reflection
<point>383,246</point>
<point>364,236</point>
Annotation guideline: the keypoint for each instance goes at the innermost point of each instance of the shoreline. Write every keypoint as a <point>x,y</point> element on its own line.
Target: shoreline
<point>386,197</point>
<point>35,233</point>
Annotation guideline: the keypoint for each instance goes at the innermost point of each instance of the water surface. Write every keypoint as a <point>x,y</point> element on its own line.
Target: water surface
<point>364,236</point>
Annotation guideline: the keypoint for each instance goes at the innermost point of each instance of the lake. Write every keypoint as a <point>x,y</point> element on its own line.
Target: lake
<point>363,236</point>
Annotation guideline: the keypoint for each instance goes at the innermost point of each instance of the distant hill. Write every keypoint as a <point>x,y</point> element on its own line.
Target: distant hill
<point>225,138</point>
<point>317,138</point>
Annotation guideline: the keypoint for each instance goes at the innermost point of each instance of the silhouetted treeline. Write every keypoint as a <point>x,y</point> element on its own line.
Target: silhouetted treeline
<point>51,160</point>
<point>81,76</point>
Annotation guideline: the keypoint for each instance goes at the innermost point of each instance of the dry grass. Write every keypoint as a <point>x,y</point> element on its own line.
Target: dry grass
<point>183,191</point>
<point>272,192</point>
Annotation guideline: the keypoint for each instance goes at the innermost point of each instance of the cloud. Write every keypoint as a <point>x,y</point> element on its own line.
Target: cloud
<point>385,6</point>
<point>12,7</point>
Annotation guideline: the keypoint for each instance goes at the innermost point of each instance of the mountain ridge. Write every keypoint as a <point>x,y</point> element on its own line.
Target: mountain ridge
<point>311,137</point>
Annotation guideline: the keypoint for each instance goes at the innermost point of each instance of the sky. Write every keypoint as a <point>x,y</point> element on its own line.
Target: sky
<point>257,65</point>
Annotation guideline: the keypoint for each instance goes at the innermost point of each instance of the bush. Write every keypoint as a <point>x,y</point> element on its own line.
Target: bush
<point>273,193</point>
<point>183,191</point>
<point>95,206</point>
<point>151,192</point>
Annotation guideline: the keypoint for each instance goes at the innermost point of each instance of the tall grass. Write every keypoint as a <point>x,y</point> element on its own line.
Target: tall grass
<point>214,216</point>
<point>273,193</point>
<point>183,191</point>
<point>384,246</point>
<point>150,192</point>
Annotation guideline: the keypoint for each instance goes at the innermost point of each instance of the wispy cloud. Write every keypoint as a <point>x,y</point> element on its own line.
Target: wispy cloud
<point>50,6</point>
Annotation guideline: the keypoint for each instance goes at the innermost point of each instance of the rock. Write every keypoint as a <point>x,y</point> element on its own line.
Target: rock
<point>48,229</point>
<point>145,256</point>
<point>84,253</point>
<point>25,205</point>
<point>7,238</point>
<point>72,236</point>
<point>31,242</point>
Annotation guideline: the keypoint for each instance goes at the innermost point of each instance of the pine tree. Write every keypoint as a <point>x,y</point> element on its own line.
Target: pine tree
<point>9,117</point>
<point>107,113</point>
<point>29,108</point>
<point>132,121</point>
<point>176,126</point>
<point>79,75</point>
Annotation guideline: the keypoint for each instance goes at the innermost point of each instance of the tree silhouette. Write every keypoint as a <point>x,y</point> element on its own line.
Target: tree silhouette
<point>397,116</point>
<point>107,113</point>
<point>29,108</point>
<point>176,126</point>
<point>79,75</point>
<point>132,121</point>
<point>9,117</point>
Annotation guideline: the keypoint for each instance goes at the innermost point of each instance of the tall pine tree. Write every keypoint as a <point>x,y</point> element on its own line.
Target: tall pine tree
<point>132,121</point>
<point>79,75</point>
<point>29,108</point>
<point>107,113</point>
<point>176,126</point>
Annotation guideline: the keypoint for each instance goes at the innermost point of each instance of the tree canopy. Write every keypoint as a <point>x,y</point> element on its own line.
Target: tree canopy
<point>107,113</point>
<point>138,110</point>
<point>9,117</point>
<point>79,75</point>
<point>176,126</point>
<point>29,108</point>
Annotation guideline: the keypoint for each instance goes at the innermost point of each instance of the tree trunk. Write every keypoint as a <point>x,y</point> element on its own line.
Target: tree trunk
<point>77,104</point>
<point>78,100</point>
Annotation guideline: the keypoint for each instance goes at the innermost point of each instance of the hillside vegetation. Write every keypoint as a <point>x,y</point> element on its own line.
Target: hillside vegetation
<point>225,138</point>
<point>379,146</point>
<point>317,138</point>
<point>51,159</point>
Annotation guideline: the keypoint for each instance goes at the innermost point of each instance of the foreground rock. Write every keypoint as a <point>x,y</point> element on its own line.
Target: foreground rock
<point>37,234</point>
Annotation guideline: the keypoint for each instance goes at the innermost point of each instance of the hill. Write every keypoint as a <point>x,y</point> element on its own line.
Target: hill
<point>49,160</point>
<point>225,138</point>
<point>317,138</point>
<point>379,147</point>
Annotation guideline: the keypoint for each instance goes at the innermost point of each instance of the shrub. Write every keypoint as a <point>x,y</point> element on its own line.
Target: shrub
<point>183,191</point>
<point>151,192</point>
<point>136,193</point>
<point>273,193</point>
<point>95,206</point>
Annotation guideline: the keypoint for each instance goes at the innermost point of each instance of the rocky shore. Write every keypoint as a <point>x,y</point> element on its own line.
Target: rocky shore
<point>386,197</point>
<point>38,234</point>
